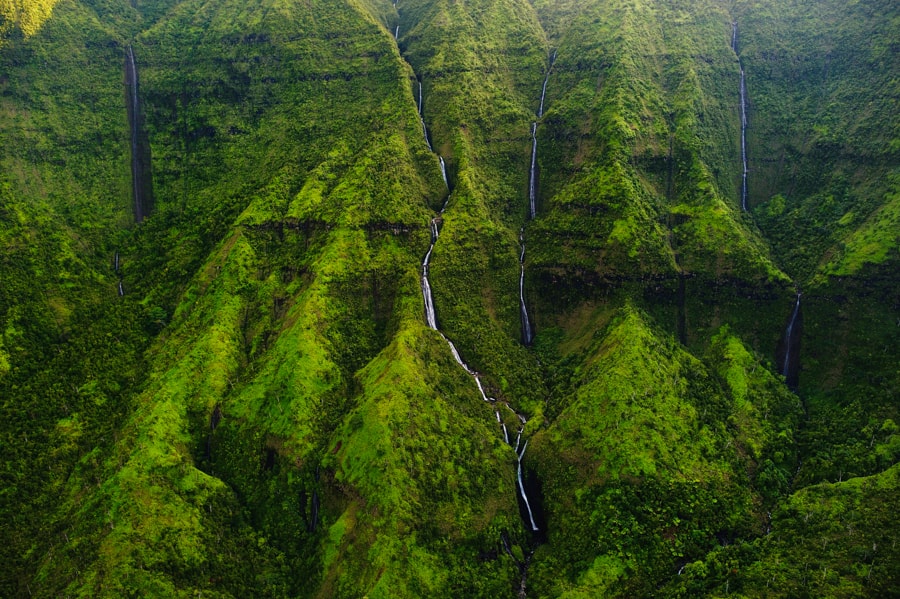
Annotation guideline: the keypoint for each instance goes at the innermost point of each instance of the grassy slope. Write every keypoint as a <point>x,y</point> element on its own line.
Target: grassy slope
<point>655,457</point>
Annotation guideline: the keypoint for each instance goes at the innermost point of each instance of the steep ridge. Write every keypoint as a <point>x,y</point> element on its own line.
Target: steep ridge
<point>277,288</point>
<point>641,430</point>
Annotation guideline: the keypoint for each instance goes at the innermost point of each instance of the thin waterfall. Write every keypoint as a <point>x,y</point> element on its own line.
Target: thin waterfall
<point>430,317</point>
<point>141,183</point>
<point>790,365</point>
<point>744,190</point>
<point>314,512</point>
<point>544,86</point>
<point>534,526</point>
<point>119,286</point>
<point>443,170</point>
<point>422,120</point>
<point>532,175</point>
<point>743,94</point>
<point>523,309</point>
<point>527,332</point>
<point>397,33</point>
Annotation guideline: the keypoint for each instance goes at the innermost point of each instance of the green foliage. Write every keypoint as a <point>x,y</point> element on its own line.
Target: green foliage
<point>23,16</point>
<point>827,541</point>
<point>828,160</point>
<point>647,464</point>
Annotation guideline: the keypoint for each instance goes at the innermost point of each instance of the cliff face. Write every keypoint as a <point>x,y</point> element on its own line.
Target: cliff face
<point>242,395</point>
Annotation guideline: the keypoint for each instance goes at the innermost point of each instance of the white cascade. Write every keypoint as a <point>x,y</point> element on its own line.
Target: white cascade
<point>131,79</point>
<point>431,317</point>
<point>532,177</point>
<point>534,527</point>
<point>788,337</point>
<point>422,120</point>
<point>523,309</point>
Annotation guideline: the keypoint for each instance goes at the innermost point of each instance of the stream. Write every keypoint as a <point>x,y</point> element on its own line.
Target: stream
<point>431,319</point>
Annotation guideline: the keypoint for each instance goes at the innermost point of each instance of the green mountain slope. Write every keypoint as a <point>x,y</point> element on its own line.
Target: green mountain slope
<point>240,394</point>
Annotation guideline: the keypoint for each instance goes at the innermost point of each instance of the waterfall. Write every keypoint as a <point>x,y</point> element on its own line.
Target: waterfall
<point>523,310</point>
<point>743,94</point>
<point>480,388</point>
<point>422,119</point>
<point>743,141</point>
<point>534,526</point>
<point>790,365</point>
<point>314,512</point>
<point>420,99</point>
<point>544,86</point>
<point>443,171</point>
<point>132,81</point>
<point>532,177</point>
<point>116,262</point>
<point>788,335</point>
<point>121,289</point>
<point>430,317</point>
<point>397,33</point>
<point>457,357</point>
<point>141,185</point>
<point>532,183</point>
<point>527,333</point>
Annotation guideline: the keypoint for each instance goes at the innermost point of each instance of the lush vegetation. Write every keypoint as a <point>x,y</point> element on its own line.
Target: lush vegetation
<point>239,396</point>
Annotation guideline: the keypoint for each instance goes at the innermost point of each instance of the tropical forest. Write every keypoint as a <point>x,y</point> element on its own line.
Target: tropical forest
<point>398,299</point>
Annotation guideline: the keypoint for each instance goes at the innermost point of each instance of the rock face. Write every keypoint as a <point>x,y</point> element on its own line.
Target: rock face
<point>492,298</point>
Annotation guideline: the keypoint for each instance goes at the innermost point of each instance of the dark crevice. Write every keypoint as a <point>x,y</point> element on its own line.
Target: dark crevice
<point>141,179</point>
